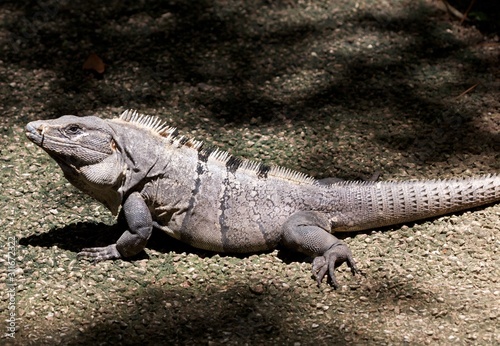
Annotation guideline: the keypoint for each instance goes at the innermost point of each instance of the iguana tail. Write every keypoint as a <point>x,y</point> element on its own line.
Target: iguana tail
<point>378,204</point>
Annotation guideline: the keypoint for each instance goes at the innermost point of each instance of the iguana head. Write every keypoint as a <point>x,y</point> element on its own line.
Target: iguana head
<point>85,148</point>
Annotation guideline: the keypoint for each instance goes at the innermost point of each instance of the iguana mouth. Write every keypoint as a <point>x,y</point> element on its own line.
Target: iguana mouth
<point>37,135</point>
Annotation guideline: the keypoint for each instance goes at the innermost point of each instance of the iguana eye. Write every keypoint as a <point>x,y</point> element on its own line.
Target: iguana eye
<point>73,129</point>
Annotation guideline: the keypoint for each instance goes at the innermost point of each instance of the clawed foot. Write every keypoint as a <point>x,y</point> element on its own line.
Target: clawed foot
<point>100,253</point>
<point>331,259</point>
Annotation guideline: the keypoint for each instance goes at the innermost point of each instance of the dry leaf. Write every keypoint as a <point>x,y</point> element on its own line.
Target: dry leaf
<point>94,63</point>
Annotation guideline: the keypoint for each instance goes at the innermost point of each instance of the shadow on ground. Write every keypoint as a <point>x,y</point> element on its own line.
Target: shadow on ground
<point>159,312</point>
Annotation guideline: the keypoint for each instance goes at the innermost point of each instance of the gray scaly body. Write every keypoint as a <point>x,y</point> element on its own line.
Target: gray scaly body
<point>214,201</point>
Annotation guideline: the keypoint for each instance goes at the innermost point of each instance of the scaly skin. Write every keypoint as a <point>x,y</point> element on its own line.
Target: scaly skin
<point>212,200</point>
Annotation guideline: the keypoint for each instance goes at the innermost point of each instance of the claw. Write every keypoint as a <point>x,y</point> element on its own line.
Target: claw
<point>100,253</point>
<point>319,269</point>
<point>331,259</point>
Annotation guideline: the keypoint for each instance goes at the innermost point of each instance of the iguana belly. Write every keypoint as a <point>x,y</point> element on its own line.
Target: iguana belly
<point>217,233</point>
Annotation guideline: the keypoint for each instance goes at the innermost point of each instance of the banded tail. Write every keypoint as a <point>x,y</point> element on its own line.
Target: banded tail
<point>389,203</point>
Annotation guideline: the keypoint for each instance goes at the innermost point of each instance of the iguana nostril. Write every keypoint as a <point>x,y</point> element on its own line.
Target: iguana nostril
<point>30,128</point>
<point>33,128</point>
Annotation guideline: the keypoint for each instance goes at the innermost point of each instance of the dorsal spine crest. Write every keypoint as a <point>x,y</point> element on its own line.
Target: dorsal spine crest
<point>231,162</point>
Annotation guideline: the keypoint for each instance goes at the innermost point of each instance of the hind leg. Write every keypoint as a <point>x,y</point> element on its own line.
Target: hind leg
<point>309,233</point>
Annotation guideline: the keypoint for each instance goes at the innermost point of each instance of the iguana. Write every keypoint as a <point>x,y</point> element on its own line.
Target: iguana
<point>212,200</point>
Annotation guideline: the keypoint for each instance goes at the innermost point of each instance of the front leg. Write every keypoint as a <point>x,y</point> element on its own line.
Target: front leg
<point>309,233</point>
<point>133,240</point>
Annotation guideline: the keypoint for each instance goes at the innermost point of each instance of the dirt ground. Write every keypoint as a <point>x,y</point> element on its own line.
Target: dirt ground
<point>330,88</point>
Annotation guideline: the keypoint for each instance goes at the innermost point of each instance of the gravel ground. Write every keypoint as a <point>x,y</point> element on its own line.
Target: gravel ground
<point>331,88</point>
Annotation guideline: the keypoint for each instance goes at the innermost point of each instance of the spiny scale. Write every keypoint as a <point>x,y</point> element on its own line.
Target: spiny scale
<point>447,181</point>
<point>159,127</point>
<point>242,165</point>
<point>152,123</point>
